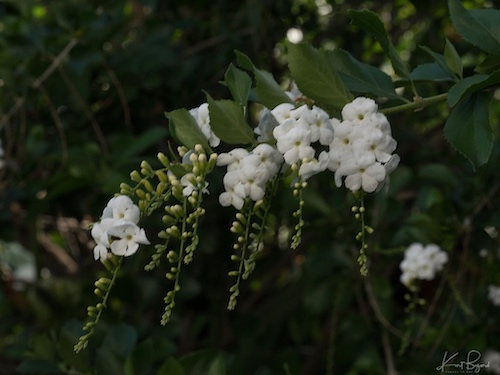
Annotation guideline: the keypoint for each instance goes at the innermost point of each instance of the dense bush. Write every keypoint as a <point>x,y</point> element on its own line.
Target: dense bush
<point>84,89</point>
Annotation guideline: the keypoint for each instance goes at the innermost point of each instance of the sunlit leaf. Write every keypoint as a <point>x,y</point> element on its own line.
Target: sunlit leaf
<point>228,122</point>
<point>184,127</point>
<point>316,77</point>
<point>267,89</point>
<point>239,83</point>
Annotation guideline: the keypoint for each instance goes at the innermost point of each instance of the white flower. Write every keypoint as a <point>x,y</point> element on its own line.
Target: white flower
<point>294,142</point>
<point>128,237</point>
<point>190,184</point>
<point>269,157</point>
<point>314,166</point>
<point>233,196</point>
<point>232,158</point>
<point>282,112</point>
<point>321,127</point>
<point>362,171</point>
<point>118,231</point>
<point>122,207</point>
<point>358,109</point>
<point>421,262</point>
<point>202,117</point>
<point>494,294</point>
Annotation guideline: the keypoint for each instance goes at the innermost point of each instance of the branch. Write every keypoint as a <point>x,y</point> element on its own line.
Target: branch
<point>416,105</point>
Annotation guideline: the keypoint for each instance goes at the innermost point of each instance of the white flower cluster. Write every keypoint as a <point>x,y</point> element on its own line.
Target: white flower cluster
<point>494,294</point>
<point>247,173</point>
<point>422,262</point>
<point>118,231</point>
<point>362,148</point>
<point>202,117</point>
<point>358,149</point>
<point>297,130</point>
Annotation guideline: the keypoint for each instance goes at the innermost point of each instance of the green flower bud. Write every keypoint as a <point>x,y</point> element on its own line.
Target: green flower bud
<point>135,176</point>
<point>148,185</point>
<point>163,159</point>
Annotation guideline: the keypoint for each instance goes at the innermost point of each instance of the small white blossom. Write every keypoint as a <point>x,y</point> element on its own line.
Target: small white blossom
<point>421,262</point>
<point>494,294</point>
<point>121,207</point>
<point>118,231</point>
<point>202,117</point>
<point>190,185</point>
<point>128,237</point>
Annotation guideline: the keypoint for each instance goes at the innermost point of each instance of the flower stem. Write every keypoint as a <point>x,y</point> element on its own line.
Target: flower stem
<point>417,104</point>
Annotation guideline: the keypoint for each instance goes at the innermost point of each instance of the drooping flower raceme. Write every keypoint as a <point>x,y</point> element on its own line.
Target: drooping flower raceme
<point>361,152</point>
<point>421,262</point>
<point>117,231</point>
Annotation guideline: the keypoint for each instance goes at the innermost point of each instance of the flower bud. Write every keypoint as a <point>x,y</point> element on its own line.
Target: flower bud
<point>163,159</point>
<point>135,176</point>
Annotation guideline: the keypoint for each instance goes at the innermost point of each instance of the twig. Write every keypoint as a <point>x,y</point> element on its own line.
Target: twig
<point>121,96</point>
<point>58,123</point>
<point>429,313</point>
<point>389,358</point>
<point>86,110</point>
<point>56,63</point>
<point>376,309</point>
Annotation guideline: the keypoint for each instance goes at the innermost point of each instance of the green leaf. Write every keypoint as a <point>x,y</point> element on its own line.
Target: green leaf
<point>361,77</point>
<point>185,129</point>
<point>440,60</point>
<point>171,367</point>
<point>228,122</point>
<point>316,77</point>
<point>479,26</point>
<point>488,65</point>
<point>452,58</point>
<point>267,89</point>
<point>370,22</point>
<point>470,85</point>
<point>468,129</point>
<point>431,72</point>
<point>239,83</point>
<point>121,339</point>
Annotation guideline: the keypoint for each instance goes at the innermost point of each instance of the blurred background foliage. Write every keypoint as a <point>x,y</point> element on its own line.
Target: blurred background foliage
<point>83,90</point>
